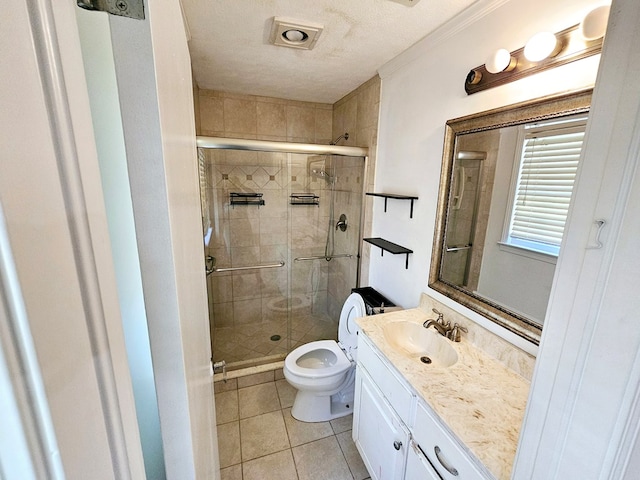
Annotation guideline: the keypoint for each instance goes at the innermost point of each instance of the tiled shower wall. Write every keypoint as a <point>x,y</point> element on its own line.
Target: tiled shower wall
<point>357,113</point>
<point>263,118</point>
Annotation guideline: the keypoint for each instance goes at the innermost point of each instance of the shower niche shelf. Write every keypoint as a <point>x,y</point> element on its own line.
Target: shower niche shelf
<point>236,198</point>
<point>391,247</point>
<point>304,199</point>
<point>395,196</point>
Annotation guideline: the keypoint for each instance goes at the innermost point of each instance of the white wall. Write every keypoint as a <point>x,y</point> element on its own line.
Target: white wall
<point>421,90</point>
<point>95,37</point>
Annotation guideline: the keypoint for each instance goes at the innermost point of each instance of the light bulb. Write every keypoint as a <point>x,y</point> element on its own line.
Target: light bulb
<point>540,46</point>
<point>499,61</point>
<point>594,24</point>
<point>294,35</point>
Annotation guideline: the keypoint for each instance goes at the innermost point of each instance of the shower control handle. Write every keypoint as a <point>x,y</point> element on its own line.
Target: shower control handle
<point>342,223</point>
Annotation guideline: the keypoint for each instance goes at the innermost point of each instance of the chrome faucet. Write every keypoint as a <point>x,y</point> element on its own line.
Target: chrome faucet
<point>443,329</point>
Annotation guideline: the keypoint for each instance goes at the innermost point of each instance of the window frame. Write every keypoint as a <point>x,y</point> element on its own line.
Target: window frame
<point>538,250</point>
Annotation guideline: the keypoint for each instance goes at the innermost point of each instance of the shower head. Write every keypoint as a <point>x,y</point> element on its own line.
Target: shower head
<point>322,174</point>
<point>344,135</point>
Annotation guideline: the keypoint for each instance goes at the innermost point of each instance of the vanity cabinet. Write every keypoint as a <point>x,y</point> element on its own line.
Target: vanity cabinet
<point>396,433</point>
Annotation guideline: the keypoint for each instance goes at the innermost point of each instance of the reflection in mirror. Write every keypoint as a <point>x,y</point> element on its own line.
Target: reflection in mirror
<point>506,183</point>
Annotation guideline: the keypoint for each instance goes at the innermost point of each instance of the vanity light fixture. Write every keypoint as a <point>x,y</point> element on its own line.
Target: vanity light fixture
<point>543,51</point>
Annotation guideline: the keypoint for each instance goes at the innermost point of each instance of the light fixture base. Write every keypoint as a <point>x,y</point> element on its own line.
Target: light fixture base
<point>571,47</point>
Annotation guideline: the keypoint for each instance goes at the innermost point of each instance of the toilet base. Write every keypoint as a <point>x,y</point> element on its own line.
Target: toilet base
<point>308,407</point>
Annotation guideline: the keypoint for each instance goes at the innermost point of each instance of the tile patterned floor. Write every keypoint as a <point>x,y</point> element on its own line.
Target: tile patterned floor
<point>259,439</point>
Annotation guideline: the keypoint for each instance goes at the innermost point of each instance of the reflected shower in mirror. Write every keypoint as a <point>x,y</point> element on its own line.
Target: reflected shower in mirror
<point>506,185</point>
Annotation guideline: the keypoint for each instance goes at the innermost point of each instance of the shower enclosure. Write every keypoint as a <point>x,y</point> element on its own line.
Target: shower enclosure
<point>282,225</point>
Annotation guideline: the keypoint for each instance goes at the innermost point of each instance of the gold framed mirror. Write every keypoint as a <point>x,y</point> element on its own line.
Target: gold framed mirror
<point>478,258</point>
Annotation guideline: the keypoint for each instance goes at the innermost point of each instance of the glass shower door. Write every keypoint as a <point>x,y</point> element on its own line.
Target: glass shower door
<point>249,287</point>
<point>264,209</point>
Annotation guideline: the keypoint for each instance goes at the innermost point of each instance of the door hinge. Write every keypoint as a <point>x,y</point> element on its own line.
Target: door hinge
<point>124,8</point>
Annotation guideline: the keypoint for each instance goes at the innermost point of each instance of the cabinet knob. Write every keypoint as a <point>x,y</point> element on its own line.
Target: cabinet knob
<point>397,445</point>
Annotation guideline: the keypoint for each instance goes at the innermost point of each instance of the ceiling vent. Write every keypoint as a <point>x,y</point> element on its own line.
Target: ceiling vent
<point>292,33</point>
<point>408,3</point>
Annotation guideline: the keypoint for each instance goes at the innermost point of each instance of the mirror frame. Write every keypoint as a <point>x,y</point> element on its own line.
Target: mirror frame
<point>529,111</point>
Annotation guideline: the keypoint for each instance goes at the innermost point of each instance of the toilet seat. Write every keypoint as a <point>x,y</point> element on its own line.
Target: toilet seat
<point>348,329</point>
<point>341,364</point>
<point>318,365</point>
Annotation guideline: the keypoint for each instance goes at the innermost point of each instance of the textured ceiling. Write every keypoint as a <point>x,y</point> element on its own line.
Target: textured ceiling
<point>230,47</point>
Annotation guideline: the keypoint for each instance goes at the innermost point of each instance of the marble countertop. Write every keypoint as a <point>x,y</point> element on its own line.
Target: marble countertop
<point>480,400</point>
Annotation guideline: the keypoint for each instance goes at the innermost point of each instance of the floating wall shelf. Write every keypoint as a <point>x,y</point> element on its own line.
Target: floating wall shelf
<point>395,196</point>
<point>388,246</point>
<point>236,198</point>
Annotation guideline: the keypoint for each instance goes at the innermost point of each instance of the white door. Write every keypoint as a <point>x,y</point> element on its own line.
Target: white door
<point>52,199</point>
<point>55,222</point>
<point>381,438</point>
<point>583,415</point>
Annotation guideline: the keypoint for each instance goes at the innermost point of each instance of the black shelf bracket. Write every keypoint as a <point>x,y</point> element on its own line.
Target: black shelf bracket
<point>391,247</point>
<point>395,196</point>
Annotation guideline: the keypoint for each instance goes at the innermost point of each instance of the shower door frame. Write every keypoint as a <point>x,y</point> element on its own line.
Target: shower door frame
<point>299,148</point>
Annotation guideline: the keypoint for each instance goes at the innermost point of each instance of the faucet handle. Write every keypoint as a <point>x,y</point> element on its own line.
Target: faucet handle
<point>440,319</point>
<point>454,333</point>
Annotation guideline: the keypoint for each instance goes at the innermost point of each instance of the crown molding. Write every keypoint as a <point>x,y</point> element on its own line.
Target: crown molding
<point>451,28</point>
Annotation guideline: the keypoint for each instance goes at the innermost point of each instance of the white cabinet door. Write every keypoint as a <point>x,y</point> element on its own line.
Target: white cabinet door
<point>379,434</point>
<point>418,467</point>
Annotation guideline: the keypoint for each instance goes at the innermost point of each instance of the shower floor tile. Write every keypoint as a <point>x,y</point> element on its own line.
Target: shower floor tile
<point>245,342</point>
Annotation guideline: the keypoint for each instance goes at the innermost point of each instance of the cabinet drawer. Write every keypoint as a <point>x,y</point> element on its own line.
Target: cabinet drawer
<point>444,453</point>
<point>396,393</point>
<point>418,467</point>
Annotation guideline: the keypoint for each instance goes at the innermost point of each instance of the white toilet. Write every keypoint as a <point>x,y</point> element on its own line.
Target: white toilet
<point>323,372</point>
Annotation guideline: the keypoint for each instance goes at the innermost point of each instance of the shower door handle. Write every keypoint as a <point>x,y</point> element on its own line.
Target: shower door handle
<point>209,264</point>
<point>457,249</point>
<point>457,198</point>
<point>252,267</point>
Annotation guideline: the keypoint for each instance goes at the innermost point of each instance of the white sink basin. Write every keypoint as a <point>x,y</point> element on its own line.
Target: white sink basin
<point>425,345</point>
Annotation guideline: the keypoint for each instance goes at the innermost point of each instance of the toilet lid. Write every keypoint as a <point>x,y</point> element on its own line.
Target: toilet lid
<point>347,330</point>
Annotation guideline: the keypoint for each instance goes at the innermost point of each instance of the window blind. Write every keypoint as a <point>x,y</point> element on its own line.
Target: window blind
<point>545,183</point>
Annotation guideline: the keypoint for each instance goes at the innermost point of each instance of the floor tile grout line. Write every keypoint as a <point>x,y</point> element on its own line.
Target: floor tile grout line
<point>345,457</point>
